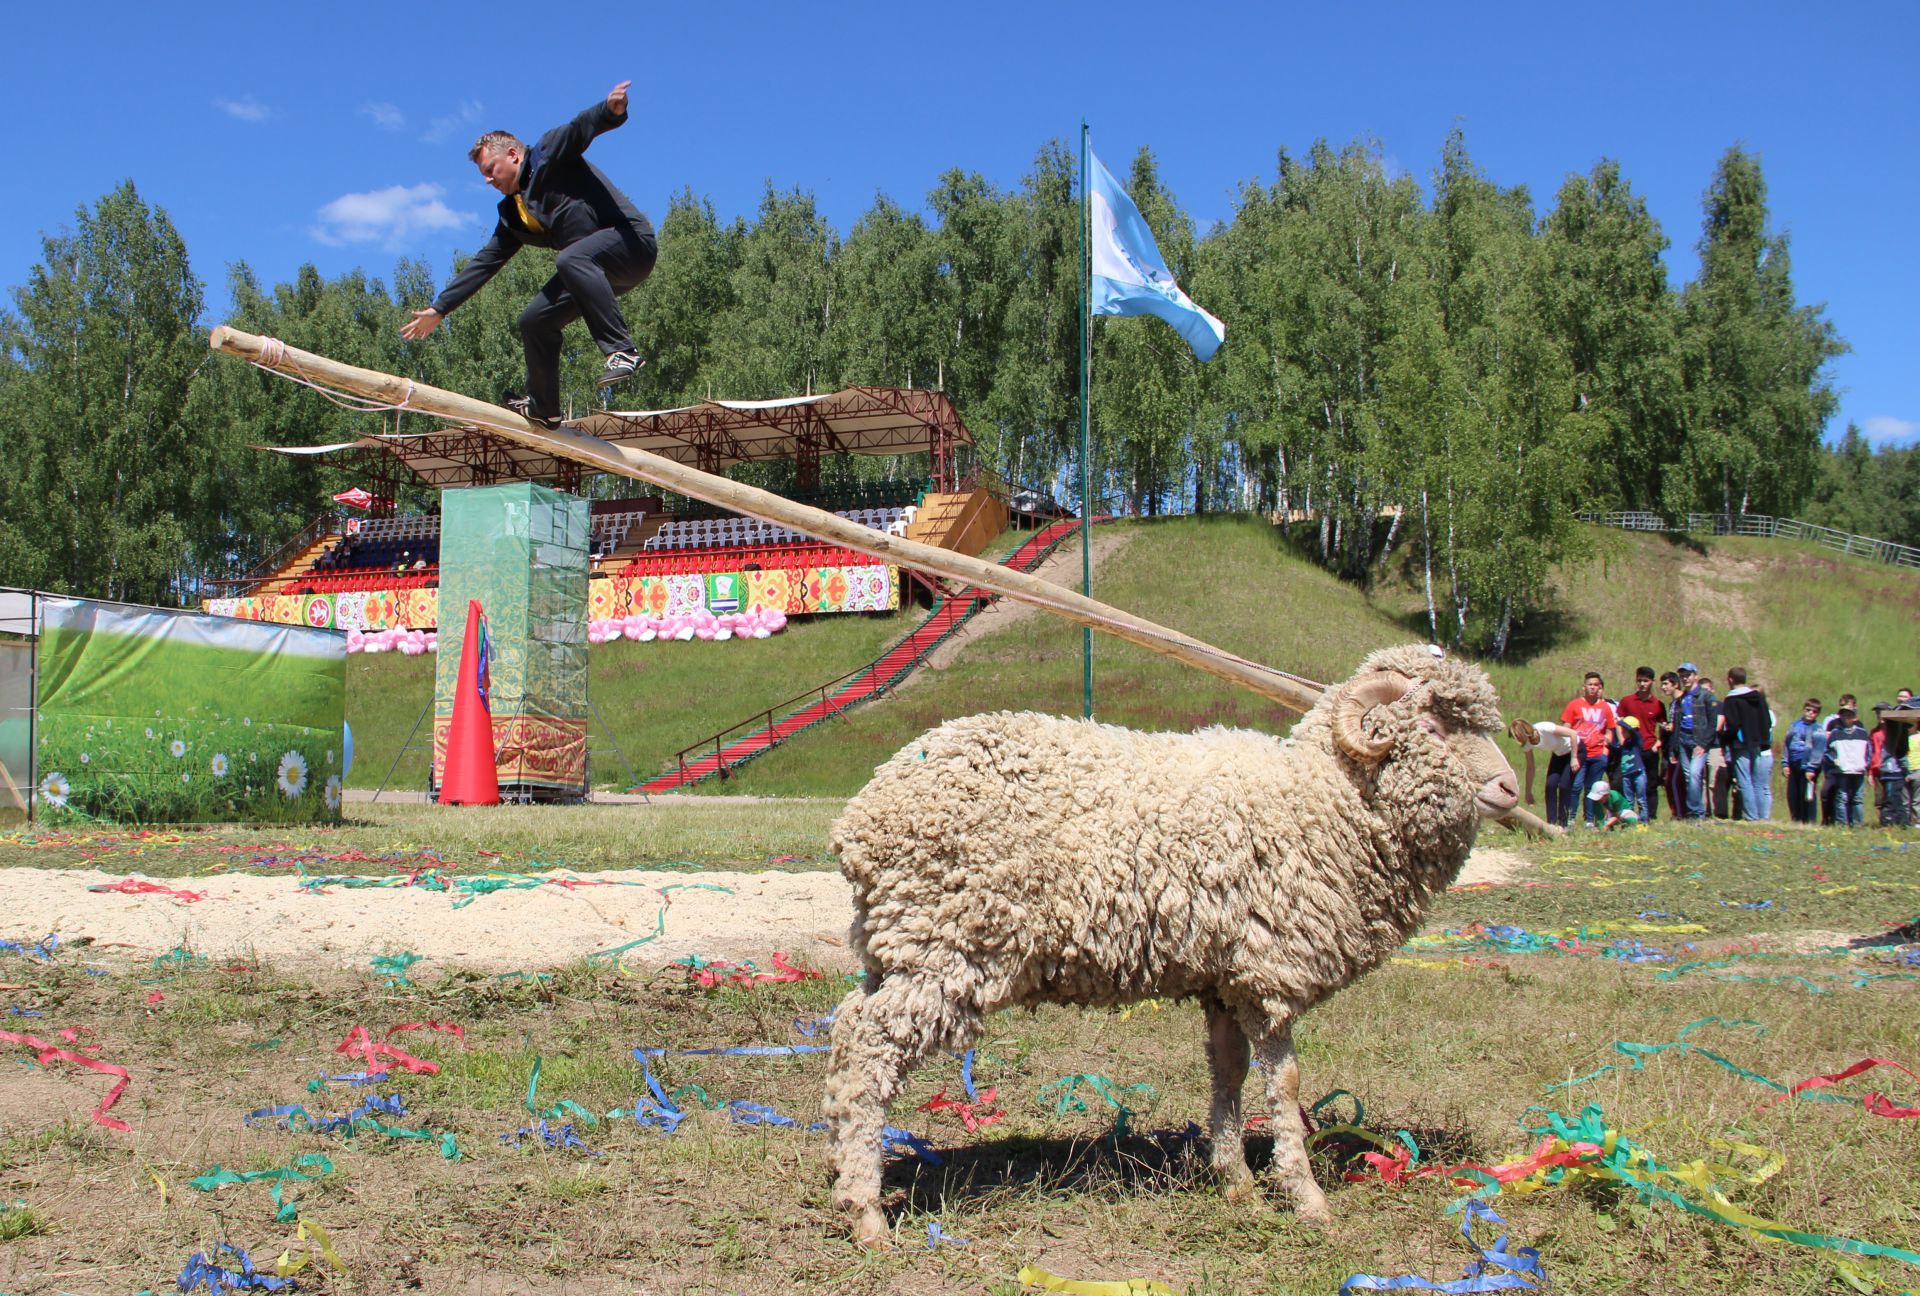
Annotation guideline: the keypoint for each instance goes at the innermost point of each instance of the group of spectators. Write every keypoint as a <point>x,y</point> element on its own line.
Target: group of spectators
<point>337,557</point>
<point>1714,756</point>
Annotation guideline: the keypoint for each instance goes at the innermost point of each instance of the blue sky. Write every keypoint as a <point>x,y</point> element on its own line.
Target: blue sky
<point>336,133</point>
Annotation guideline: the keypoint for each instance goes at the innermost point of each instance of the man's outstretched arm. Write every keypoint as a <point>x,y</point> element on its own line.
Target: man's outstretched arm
<point>571,140</point>
<point>486,263</point>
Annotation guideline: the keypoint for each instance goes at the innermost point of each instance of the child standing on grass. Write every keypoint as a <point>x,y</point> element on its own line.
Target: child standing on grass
<point>1633,766</point>
<point>1849,749</point>
<point>1803,767</point>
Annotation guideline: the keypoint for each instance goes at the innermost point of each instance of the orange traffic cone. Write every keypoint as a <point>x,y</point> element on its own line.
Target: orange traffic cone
<point>470,777</point>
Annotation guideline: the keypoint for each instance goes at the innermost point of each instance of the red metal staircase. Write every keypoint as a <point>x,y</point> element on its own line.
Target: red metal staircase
<point>766,730</point>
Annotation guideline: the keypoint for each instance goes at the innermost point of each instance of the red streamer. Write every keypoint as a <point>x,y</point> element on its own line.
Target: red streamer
<point>1876,1103</point>
<point>970,1113</point>
<point>721,972</point>
<point>54,1053</point>
<point>134,886</point>
<point>381,1056</point>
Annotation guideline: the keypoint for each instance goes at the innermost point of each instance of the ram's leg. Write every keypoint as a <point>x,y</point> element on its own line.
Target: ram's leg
<point>1291,1169</point>
<point>1227,1058</point>
<point>878,1036</point>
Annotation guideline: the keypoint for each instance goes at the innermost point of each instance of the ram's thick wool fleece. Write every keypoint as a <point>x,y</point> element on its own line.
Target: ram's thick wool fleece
<point>1013,859</point>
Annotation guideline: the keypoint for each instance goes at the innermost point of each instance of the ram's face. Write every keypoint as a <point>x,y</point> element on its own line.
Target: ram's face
<point>1436,718</point>
<point>1497,790</point>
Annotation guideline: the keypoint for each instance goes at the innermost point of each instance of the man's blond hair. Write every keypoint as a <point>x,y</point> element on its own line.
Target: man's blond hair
<point>494,142</point>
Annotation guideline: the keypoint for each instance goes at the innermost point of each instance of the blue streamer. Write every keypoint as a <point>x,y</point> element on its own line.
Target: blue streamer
<point>936,1235</point>
<point>43,950</point>
<point>390,1105</point>
<point>564,1137</point>
<point>819,1024</point>
<point>749,1050</point>
<point>217,1278</point>
<point>894,1140</point>
<point>659,1111</point>
<point>743,1112</point>
<point>1518,1264</point>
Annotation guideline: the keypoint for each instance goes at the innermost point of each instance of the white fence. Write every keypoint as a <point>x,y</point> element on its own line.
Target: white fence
<point>1759,524</point>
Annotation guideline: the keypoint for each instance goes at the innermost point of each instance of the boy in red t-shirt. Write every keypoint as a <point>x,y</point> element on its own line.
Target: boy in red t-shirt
<point>1597,728</point>
<point>1651,712</point>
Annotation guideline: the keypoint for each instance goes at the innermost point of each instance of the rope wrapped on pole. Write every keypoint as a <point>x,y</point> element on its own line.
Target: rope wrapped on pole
<point>391,392</point>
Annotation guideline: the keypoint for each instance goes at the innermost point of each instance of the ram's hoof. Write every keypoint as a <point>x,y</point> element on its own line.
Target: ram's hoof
<point>870,1230</point>
<point>1314,1215</point>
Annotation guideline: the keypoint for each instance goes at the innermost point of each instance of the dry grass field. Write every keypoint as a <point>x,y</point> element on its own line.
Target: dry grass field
<point>1768,956</point>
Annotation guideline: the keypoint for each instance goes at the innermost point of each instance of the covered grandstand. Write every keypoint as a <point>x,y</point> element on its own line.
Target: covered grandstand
<point>646,537</point>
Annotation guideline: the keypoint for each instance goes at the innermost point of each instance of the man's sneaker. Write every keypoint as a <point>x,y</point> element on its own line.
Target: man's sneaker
<point>523,406</point>
<point>621,365</point>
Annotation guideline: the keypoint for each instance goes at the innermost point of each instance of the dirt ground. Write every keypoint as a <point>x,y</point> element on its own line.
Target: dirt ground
<point>713,914</point>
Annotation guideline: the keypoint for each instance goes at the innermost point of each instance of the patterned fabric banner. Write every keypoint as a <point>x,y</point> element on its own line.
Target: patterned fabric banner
<point>364,610</point>
<point>870,588</point>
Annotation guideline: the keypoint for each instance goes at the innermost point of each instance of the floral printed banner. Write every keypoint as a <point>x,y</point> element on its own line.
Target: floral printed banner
<point>350,611</point>
<point>172,717</point>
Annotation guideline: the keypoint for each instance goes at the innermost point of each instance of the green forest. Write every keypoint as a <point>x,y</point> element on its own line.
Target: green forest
<point>1441,375</point>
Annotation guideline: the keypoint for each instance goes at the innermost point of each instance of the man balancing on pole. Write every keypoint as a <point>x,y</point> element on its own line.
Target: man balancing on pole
<point>555,198</point>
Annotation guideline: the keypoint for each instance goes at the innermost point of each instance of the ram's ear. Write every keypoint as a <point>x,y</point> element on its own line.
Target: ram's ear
<point>1383,688</point>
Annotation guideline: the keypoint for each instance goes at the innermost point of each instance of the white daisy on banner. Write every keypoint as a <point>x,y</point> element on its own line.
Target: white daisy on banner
<point>55,788</point>
<point>178,748</point>
<point>331,793</point>
<point>219,764</point>
<point>293,775</point>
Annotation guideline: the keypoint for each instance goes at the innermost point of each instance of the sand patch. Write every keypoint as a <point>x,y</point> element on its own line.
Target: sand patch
<point>733,915</point>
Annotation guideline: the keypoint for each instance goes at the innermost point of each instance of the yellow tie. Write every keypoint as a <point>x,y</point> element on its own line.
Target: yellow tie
<point>526,217</point>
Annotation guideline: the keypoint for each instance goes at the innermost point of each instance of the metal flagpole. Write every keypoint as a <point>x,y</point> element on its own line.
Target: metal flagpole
<point>1086,467</point>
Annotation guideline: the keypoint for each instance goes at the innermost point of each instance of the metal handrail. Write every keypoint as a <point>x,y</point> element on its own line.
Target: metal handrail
<point>263,570</point>
<point>1761,524</point>
<point>764,721</point>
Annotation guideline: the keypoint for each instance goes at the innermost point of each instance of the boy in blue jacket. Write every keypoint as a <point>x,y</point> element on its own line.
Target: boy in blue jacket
<point>1803,763</point>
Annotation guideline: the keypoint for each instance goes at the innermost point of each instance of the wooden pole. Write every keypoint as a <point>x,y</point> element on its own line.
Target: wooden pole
<point>403,393</point>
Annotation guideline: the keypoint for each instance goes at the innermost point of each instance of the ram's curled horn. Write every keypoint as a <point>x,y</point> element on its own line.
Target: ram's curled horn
<point>1380,689</point>
<point>1523,733</point>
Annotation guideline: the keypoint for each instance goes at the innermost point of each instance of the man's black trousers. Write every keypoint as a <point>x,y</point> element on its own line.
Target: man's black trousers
<point>589,277</point>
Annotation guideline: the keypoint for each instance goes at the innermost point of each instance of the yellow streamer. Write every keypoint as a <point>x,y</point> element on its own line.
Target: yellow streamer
<point>1035,1276</point>
<point>159,1183</point>
<point>289,1264</point>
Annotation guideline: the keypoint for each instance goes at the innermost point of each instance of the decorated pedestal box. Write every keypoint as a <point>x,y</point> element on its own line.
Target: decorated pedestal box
<point>521,550</point>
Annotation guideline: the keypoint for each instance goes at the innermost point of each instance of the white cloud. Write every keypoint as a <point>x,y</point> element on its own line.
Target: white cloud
<point>447,123</point>
<point>1884,429</point>
<point>390,217</point>
<point>385,115</point>
<point>246,108</point>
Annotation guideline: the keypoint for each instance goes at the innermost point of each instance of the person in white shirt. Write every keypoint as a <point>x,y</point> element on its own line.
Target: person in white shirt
<point>1557,740</point>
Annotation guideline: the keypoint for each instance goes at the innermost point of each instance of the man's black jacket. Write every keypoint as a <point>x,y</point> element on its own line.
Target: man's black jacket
<point>566,194</point>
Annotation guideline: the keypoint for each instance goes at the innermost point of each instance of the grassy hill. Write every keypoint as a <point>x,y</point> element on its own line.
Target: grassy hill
<point>1803,621</point>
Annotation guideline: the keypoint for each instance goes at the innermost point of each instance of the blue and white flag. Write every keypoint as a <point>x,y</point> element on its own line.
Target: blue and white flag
<point>1129,278</point>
